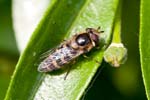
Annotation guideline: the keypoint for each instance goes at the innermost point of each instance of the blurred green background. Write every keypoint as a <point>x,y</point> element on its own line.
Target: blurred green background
<point>8,49</point>
<point>124,83</point>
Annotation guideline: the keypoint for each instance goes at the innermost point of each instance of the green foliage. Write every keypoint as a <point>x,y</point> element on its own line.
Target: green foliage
<point>7,39</point>
<point>8,48</point>
<point>62,19</point>
<point>145,44</point>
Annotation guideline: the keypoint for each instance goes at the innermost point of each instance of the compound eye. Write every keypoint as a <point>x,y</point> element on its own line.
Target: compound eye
<point>82,40</point>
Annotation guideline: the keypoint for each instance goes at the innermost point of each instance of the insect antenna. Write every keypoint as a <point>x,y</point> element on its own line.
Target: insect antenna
<point>98,29</point>
<point>101,31</point>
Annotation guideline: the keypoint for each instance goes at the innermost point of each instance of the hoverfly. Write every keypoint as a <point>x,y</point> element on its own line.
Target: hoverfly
<point>68,50</point>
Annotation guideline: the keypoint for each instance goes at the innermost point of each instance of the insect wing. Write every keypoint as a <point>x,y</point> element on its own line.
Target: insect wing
<point>47,53</point>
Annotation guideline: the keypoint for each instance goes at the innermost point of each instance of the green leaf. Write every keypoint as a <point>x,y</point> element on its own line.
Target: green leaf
<point>145,44</point>
<point>62,19</point>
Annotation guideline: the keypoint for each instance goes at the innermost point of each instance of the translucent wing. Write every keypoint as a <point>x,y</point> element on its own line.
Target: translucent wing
<point>47,53</point>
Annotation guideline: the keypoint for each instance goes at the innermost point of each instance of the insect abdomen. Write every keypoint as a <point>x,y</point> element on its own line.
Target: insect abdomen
<point>47,65</point>
<point>58,59</point>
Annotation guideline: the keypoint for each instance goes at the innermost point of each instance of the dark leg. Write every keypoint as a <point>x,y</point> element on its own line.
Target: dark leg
<point>90,58</point>
<point>85,56</point>
<point>68,70</point>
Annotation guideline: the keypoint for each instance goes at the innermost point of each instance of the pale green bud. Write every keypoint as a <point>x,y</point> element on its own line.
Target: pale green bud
<point>115,54</point>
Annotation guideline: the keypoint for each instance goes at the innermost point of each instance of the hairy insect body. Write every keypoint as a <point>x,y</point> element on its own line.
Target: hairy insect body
<point>58,59</point>
<point>69,50</point>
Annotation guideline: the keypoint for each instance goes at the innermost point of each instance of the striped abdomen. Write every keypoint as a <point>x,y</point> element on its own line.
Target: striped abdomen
<point>58,58</point>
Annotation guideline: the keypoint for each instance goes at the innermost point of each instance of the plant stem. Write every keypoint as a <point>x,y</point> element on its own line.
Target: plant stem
<point>117,25</point>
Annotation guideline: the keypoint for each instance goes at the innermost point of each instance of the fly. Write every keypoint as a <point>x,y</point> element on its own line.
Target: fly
<point>67,51</point>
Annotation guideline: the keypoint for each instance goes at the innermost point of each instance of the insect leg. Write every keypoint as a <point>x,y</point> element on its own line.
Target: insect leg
<point>69,68</point>
<point>85,56</point>
<point>64,40</point>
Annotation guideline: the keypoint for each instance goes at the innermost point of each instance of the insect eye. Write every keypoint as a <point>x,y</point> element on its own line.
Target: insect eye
<point>82,39</point>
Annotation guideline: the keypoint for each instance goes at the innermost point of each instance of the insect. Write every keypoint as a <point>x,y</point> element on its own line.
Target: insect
<point>67,51</point>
